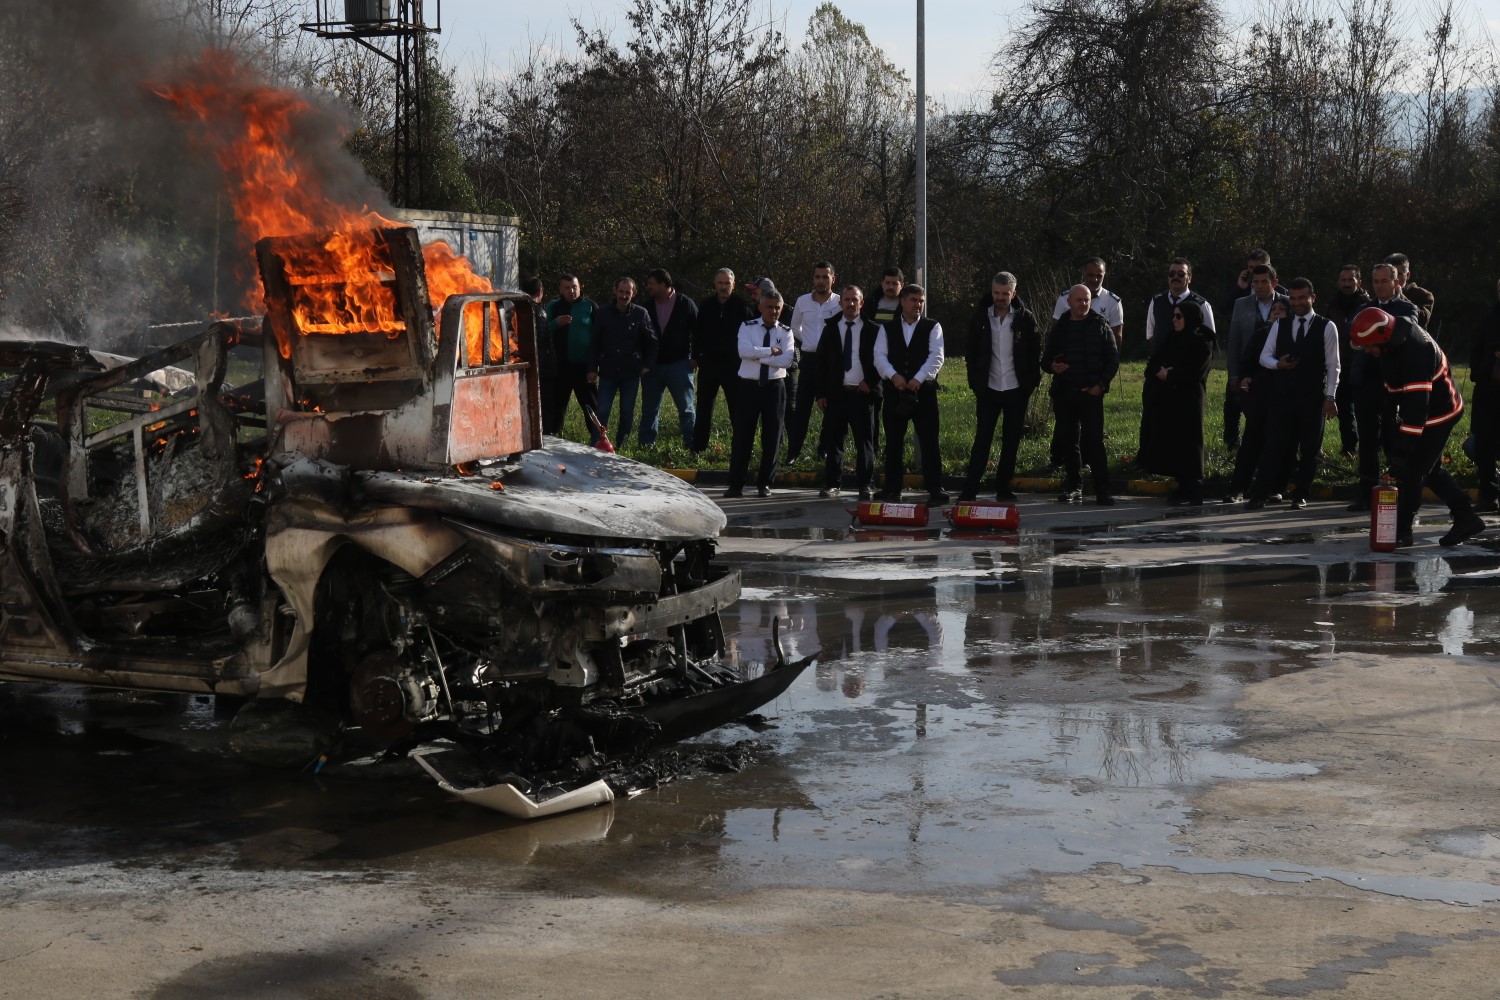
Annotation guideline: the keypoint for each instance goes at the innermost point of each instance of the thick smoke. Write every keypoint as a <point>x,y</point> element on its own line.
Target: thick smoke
<point>113,210</point>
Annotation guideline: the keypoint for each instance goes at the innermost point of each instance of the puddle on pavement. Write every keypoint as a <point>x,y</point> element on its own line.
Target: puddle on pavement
<point>979,716</point>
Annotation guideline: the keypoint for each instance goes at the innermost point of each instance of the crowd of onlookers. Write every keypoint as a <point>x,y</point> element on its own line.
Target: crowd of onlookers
<point>1360,355</point>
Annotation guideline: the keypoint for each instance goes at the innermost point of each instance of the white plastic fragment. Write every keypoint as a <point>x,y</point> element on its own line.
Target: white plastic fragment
<point>511,801</point>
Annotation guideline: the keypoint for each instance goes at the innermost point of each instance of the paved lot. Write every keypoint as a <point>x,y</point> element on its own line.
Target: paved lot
<point>1134,752</point>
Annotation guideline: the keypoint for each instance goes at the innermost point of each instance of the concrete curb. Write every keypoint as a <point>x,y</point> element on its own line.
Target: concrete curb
<point>706,478</point>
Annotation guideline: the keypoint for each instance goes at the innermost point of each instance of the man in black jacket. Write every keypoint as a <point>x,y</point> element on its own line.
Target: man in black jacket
<point>1083,357</point>
<point>673,317</point>
<point>908,355</point>
<point>624,350</point>
<point>1415,372</point>
<point>850,393</point>
<point>1342,307</point>
<point>716,352</point>
<point>1004,353</point>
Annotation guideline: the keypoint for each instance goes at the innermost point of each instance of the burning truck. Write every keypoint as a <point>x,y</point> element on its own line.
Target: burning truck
<point>363,521</point>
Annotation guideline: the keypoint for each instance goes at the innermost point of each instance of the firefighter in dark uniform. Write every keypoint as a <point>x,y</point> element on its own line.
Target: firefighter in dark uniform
<point>1427,406</point>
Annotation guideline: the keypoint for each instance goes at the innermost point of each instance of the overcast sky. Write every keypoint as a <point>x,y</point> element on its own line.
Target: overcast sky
<point>962,36</point>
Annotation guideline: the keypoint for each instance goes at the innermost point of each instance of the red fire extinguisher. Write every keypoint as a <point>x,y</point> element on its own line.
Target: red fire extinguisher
<point>994,516</point>
<point>1383,500</point>
<point>891,515</point>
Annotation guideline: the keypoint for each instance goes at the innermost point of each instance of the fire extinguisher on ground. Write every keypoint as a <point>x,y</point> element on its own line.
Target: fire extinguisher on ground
<point>1383,503</point>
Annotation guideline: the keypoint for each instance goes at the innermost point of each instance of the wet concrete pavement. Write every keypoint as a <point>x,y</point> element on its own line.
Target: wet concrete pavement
<point>1125,752</point>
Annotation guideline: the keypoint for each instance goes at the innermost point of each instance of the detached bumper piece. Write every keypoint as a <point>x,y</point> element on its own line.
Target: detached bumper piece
<point>511,801</point>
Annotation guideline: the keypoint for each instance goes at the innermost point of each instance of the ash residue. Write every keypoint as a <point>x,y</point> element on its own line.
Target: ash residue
<point>686,761</point>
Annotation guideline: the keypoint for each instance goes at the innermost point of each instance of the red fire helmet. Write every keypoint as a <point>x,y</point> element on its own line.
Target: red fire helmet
<point>1372,327</point>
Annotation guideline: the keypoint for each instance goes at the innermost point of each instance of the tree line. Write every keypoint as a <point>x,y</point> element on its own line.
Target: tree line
<point>705,133</point>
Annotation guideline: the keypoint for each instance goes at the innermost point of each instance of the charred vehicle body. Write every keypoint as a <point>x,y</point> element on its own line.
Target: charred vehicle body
<point>368,521</point>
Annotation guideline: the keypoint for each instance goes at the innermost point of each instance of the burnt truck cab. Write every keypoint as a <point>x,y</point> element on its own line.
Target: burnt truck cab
<point>368,520</point>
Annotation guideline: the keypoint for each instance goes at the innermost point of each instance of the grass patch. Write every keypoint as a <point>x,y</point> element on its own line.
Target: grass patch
<point>1122,424</point>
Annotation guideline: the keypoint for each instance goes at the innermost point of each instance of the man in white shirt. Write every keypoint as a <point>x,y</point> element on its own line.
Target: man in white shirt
<point>1159,309</point>
<point>1300,359</point>
<point>765,348</point>
<point>850,394</point>
<point>908,354</point>
<point>808,316</point>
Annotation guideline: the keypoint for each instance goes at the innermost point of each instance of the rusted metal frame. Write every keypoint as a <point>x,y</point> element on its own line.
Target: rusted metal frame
<point>140,420</point>
<point>675,609</point>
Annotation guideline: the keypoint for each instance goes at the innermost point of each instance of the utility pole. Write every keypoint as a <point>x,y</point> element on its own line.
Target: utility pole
<point>921,277</point>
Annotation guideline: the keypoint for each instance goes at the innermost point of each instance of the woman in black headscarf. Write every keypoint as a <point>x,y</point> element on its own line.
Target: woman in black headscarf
<point>1172,402</point>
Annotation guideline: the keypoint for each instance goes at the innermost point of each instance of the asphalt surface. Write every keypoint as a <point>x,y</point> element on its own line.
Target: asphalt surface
<point>1134,752</point>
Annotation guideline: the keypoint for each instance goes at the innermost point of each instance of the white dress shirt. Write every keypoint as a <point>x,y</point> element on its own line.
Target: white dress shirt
<point>856,373</point>
<point>755,355</point>
<point>1204,307</point>
<point>1268,357</point>
<point>929,369</point>
<point>1002,352</point>
<point>808,317</point>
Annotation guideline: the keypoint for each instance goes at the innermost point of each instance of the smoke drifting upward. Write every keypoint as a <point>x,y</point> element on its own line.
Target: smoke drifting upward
<point>117,199</point>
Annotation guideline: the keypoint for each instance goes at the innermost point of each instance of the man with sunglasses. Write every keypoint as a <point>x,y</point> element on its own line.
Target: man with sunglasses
<point>1179,280</point>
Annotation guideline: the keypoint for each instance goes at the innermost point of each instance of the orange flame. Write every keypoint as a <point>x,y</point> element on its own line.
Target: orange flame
<point>346,283</point>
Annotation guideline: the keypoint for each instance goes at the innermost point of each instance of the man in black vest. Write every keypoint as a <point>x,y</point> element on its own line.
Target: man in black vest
<point>1083,357</point>
<point>908,354</point>
<point>1159,310</point>
<point>850,393</point>
<point>1300,356</point>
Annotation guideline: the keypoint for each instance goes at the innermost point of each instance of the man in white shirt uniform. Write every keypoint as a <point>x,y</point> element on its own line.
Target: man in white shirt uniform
<point>765,348</point>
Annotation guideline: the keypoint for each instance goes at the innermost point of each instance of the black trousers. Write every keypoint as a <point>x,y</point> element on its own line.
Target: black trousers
<point>711,379</point>
<point>925,417</point>
<point>756,404</point>
<point>799,415</point>
<point>849,412</point>
<point>1252,442</point>
<point>1348,423</point>
<point>570,381</point>
<point>1233,408</point>
<point>1079,433</point>
<point>990,406</point>
<point>1369,420</point>
<point>1423,466</point>
<point>1294,425</point>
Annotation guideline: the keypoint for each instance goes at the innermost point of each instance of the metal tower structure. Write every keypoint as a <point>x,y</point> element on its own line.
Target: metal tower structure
<point>370,23</point>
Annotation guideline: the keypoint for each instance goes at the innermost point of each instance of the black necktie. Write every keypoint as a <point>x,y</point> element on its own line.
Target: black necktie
<point>765,370</point>
<point>848,345</point>
<point>1301,329</point>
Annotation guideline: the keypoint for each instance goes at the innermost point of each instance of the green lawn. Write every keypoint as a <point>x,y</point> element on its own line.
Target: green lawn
<point>1122,420</point>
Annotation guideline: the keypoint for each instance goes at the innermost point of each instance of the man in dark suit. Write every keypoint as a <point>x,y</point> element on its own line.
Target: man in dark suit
<point>1004,354</point>
<point>850,393</point>
<point>1251,319</point>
